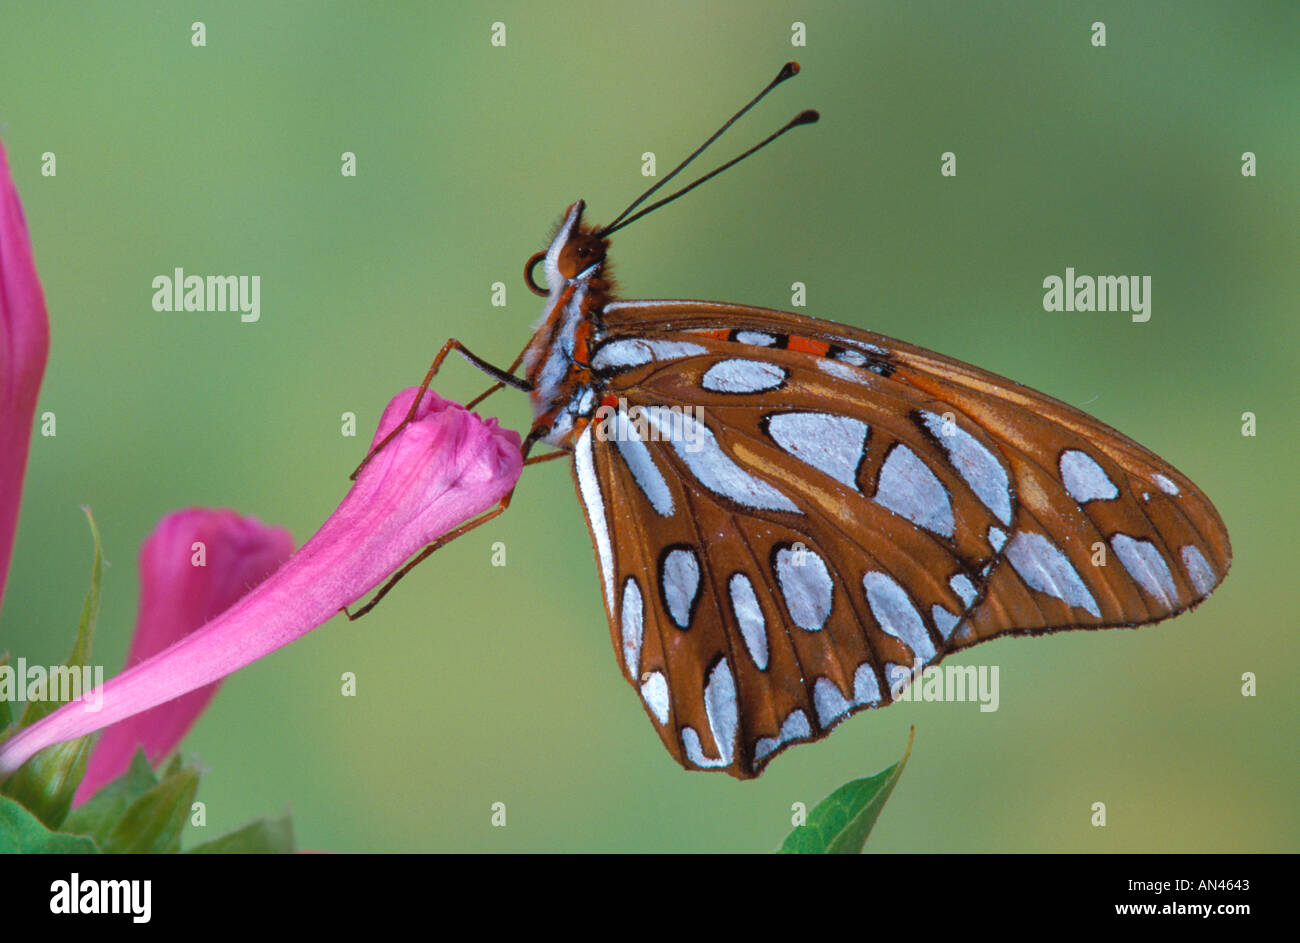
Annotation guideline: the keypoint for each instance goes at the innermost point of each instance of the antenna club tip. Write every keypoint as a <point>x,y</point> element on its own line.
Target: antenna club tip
<point>810,116</point>
<point>791,68</point>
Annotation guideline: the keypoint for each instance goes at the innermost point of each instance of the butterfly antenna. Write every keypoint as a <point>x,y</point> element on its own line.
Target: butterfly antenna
<point>789,70</point>
<point>804,117</point>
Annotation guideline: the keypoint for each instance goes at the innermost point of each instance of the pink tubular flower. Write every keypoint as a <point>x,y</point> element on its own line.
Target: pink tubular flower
<point>196,564</point>
<point>447,466</point>
<point>24,345</point>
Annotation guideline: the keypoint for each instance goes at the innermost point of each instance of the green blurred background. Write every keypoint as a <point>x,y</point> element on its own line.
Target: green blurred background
<point>480,684</point>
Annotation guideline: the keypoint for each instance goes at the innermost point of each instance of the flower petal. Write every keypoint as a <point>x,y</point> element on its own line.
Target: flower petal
<point>445,467</point>
<point>196,564</point>
<point>24,345</point>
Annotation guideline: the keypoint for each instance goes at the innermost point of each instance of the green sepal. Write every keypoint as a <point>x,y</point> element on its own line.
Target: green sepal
<point>6,715</point>
<point>841,822</point>
<point>80,657</point>
<point>46,783</point>
<point>97,816</point>
<point>23,833</point>
<point>262,837</point>
<point>152,824</point>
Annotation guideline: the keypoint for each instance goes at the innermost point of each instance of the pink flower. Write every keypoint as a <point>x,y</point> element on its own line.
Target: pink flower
<point>447,466</point>
<point>196,564</point>
<point>24,345</point>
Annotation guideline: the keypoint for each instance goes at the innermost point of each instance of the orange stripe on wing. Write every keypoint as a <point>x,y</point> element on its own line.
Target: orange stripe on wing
<point>807,345</point>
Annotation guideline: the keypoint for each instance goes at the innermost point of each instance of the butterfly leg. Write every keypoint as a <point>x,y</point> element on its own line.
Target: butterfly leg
<point>503,378</point>
<point>459,531</point>
<point>536,459</point>
<point>419,558</point>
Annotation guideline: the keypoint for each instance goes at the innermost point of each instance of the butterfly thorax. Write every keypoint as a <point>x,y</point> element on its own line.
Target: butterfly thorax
<point>557,359</point>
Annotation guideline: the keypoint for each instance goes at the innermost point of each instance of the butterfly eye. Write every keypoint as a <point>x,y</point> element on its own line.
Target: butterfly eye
<point>579,254</point>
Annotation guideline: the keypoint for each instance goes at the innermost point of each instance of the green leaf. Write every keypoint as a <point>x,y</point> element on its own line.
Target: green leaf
<point>264,836</point>
<point>100,813</point>
<point>841,822</point>
<point>80,657</point>
<point>152,824</point>
<point>46,783</point>
<point>23,833</point>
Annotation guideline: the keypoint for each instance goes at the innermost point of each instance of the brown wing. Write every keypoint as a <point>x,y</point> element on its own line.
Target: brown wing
<point>790,524</point>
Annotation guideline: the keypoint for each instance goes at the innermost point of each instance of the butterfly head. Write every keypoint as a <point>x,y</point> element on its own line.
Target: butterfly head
<point>576,254</point>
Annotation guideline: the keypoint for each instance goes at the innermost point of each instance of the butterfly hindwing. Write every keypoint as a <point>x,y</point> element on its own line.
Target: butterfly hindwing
<point>767,586</point>
<point>788,524</point>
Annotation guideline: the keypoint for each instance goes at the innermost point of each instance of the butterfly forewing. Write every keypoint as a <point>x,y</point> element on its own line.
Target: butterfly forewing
<point>792,516</point>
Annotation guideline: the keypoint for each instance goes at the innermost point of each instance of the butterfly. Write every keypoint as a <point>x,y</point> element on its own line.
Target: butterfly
<point>792,517</point>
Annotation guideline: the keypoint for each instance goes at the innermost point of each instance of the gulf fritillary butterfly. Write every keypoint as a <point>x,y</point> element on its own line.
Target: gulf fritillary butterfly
<point>792,516</point>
